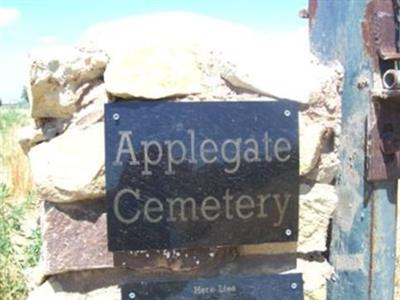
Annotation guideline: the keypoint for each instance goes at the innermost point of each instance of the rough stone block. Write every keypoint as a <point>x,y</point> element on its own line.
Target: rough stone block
<point>70,167</point>
<point>56,74</point>
<point>317,204</point>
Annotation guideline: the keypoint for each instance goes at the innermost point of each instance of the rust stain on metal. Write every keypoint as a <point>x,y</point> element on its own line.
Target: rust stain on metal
<point>379,29</point>
<point>367,30</point>
<point>312,11</point>
<point>384,141</point>
<point>385,27</point>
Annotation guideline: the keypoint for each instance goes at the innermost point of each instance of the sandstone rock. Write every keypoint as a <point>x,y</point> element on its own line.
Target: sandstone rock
<point>241,84</point>
<point>264,63</point>
<point>317,204</point>
<point>28,136</point>
<point>315,276</point>
<point>70,167</point>
<point>311,134</point>
<point>34,276</point>
<point>261,63</point>
<point>31,135</point>
<point>88,116</point>
<point>316,84</point>
<point>93,93</point>
<point>153,72</point>
<point>325,98</point>
<point>327,169</point>
<point>92,100</point>
<point>56,74</point>
<point>52,127</point>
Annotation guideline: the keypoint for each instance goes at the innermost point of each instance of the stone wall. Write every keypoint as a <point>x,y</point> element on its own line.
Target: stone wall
<point>171,57</point>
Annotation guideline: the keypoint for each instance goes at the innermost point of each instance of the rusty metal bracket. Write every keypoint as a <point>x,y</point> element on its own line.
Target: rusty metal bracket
<point>383,136</point>
<point>383,146</point>
<point>388,55</point>
<point>381,31</point>
<point>384,30</point>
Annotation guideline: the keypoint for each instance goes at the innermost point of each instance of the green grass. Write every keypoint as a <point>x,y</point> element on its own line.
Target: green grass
<point>15,257</point>
<point>11,116</point>
<point>32,251</point>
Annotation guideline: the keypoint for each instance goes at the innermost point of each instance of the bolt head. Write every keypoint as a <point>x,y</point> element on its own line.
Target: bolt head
<point>116,117</point>
<point>293,285</point>
<point>288,232</point>
<point>132,295</point>
<point>287,113</point>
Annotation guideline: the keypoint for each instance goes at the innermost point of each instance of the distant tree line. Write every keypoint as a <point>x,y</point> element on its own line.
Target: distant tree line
<point>24,94</point>
<point>23,97</point>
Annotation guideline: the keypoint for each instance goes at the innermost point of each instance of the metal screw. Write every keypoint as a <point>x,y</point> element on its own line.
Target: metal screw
<point>288,232</point>
<point>116,117</point>
<point>287,113</point>
<point>132,295</point>
<point>293,285</point>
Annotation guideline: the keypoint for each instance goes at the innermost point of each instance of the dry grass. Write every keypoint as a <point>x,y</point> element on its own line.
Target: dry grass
<point>14,165</point>
<point>20,180</point>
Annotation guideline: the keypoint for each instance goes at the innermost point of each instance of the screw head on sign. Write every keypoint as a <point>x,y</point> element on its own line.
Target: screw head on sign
<point>293,285</point>
<point>116,117</point>
<point>132,295</point>
<point>288,232</point>
<point>287,113</point>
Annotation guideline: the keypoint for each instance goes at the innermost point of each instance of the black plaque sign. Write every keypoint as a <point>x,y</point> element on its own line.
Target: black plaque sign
<point>270,287</point>
<point>201,173</point>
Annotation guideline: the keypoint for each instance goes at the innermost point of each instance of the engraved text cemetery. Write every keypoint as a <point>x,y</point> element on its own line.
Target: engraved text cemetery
<point>231,151</point>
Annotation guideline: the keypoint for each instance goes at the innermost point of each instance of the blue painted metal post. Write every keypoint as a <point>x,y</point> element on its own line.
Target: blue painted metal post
<point>364,226</point>
<point>383,241</point>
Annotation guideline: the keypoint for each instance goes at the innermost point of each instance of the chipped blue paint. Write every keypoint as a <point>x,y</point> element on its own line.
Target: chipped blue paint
<point>363,234</point>
<point>384,241</point>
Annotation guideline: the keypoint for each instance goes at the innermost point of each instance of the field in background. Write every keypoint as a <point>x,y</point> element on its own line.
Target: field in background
<point>20,240</point>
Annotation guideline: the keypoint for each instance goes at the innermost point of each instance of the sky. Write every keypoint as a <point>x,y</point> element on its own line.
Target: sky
<point>29,24</point>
